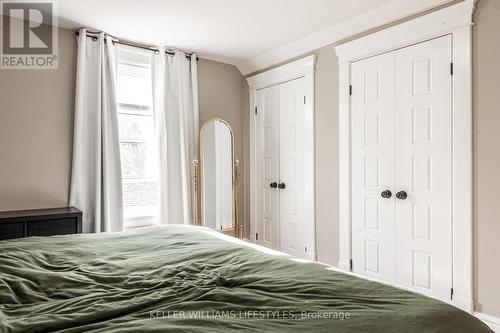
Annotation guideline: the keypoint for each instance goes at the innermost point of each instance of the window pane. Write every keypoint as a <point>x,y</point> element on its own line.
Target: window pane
<point>135,128</point>
<point>133,160</point>
<point>140,194</point>
<point>133,89</point>
<point>136,132</point>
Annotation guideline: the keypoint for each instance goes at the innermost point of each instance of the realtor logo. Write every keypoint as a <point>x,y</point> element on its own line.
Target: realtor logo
<point>29,39</point>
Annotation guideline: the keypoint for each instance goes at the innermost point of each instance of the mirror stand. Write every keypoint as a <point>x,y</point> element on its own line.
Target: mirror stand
<point>196,191</point>
<point>216,179</point>
<point>238,228</point>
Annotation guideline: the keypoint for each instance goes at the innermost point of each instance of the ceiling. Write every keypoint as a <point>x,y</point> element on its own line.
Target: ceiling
<point>232,31</point>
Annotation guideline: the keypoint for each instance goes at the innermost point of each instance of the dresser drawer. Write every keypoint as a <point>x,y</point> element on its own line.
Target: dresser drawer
<point>11,230</point>
<point>40,222</point>
<point>52,227</point>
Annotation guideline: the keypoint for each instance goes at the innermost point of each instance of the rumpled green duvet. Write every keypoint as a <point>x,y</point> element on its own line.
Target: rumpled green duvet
<point>186,279</point>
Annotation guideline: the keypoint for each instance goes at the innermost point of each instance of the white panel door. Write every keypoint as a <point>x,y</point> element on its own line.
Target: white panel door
<point>285,134</point>
<point>372,117</point>
<point>423,167</point>
<point>293,197</point>
<point>268,148</point>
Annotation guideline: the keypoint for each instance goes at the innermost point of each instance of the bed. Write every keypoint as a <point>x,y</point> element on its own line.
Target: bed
<point>192,279</point>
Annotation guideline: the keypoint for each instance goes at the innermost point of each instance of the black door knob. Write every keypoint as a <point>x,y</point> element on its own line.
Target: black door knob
<point>273,185</point>
<point>401,195</point>
<point>386,194</point>
<point>281,186</point>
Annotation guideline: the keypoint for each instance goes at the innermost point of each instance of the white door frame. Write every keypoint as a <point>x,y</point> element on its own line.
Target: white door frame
<point>302,68</point>
<point>455,20</point>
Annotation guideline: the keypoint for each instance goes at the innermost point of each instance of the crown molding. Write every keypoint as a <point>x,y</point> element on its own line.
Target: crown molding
<point>389,13</point>
<point>442,21</point>
<point>287,72</point>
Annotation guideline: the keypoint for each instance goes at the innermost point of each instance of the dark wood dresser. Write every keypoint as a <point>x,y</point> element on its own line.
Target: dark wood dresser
<point>40,222</point>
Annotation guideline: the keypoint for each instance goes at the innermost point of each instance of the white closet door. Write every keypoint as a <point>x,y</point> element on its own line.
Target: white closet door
<point>373,245</point>
<point>423,167</point>
<point>293,139</point>
<point>268,147</point>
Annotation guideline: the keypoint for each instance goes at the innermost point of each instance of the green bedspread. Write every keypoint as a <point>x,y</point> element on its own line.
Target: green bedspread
<point>185,279</point>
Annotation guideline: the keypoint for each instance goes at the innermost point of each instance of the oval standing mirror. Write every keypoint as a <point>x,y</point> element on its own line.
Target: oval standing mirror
<point>217,172</point>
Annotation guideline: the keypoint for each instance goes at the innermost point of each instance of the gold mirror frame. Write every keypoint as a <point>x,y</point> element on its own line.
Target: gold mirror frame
<point>236,229</point>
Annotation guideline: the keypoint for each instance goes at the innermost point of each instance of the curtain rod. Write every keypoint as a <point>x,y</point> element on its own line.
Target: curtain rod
<point>92,34</point>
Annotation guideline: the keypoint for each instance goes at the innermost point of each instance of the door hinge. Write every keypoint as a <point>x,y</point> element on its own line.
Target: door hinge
<point>451,68</point>
<point>255,110</point>
<point>451,294</point>
<point>304,99</point>
<point>256,236</point>
<point>350,89</point>
<point>350,264</point>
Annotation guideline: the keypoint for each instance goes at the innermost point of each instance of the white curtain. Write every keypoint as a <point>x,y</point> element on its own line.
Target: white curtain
<point>175,100</point>
<point>96,184</point>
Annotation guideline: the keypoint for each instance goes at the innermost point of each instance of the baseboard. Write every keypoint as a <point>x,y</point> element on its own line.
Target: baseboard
<point>464,304</point>
<point>492,322</point>
<point>311,256</point>
<point>345,266</point>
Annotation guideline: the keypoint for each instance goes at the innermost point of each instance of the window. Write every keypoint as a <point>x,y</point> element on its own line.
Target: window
<point>136,132</point>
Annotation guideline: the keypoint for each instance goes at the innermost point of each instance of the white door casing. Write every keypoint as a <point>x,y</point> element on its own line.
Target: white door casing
<point>293,85</point>
<point>373,218</point>
<point>423,167</point>
<point>455,20</point>
<point>267,130</point>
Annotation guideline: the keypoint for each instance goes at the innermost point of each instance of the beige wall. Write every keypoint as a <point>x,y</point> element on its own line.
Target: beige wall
<point>36,125</point>
<point>326,120</point>
<point>221,90</point>
<point>36,121</point>
<point>486,66</point>
<point>486,55</point>
<point>36,108</point>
